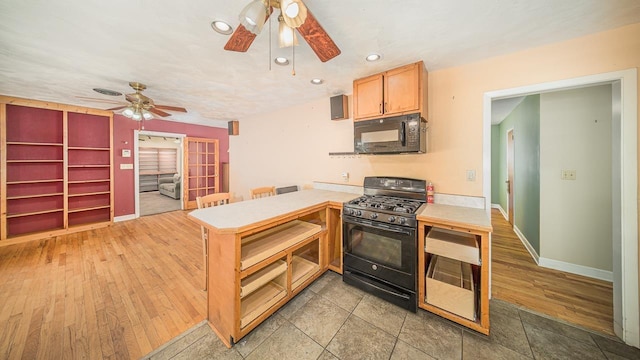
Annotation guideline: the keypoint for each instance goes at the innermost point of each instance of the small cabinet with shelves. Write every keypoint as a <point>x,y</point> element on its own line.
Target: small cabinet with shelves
<point>394,92</point>
<point>258,269</point>
<point>453,270</point>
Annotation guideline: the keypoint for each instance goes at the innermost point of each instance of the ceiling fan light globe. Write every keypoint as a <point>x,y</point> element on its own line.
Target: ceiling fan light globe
<point>136,117</point>
<point>253,16</point>
<point>147,115</point>
<point>286,36</point>
<point>295,8</point>
<point>127,112</point>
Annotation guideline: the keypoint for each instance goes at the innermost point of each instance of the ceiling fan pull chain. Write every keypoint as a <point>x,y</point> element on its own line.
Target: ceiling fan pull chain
<point>293,71</point>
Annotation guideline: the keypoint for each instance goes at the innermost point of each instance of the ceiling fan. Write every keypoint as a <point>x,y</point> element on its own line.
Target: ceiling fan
<point>293,14</point>
<point>141,106</point>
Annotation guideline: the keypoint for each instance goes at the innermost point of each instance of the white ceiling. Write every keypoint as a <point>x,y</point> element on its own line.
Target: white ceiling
<point>59,50</point>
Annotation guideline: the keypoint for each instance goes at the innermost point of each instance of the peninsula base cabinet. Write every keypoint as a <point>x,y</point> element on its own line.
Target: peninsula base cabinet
<point>453,273</point>
<point>258,270</point>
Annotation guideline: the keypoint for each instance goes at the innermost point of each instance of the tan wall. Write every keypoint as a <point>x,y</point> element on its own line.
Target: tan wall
<point>292,146</point>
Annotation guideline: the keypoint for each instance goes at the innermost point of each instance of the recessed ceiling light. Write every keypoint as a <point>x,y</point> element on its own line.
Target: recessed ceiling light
<point>107,92</point>
<point>281,60</point>
<point>373,57</point>
<point>221,27</point>
<point>317,81</point>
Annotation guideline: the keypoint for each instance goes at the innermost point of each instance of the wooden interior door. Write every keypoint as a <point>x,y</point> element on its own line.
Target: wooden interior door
<point>200,175</point>
<point>510,165</point>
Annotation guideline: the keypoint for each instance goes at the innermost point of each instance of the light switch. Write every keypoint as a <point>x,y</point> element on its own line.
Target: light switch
<point>471,175</point>
<point>126,166</point>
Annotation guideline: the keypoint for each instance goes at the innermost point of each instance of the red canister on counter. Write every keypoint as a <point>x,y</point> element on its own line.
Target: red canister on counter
<point>430,193</point>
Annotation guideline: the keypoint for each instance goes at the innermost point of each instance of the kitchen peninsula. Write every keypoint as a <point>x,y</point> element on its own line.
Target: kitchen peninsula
<point>265,251</point>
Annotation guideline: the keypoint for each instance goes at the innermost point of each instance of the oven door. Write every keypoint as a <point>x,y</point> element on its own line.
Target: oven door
<point>385,251</point>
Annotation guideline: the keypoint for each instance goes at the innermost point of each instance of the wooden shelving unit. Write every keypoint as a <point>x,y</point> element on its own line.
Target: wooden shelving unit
<point>460,291</point>
<point>49,152</point>
<point>257,270</point>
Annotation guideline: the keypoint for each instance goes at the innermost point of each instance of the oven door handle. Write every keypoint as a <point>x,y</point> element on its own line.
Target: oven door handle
<point>380,226</point>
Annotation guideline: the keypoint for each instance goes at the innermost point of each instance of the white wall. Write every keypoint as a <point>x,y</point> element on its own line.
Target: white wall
<point>575,215</point>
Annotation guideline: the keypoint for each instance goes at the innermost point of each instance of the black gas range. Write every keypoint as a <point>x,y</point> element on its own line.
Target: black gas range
<point>380,239</point>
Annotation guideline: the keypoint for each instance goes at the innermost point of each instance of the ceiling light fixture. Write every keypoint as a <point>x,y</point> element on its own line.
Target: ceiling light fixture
<point>294,12</point>
<point>137,113</point>
<point>373,57</point>
<point>317,81</point>
<point>221,27</point>
<point>253,16</point>
<point>282,61</point>
<point>286,34</point>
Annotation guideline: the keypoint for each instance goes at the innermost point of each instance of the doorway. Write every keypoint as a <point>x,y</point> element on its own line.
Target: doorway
<point>510,172</point>
<point>626,302</point>
<point>158,172</point>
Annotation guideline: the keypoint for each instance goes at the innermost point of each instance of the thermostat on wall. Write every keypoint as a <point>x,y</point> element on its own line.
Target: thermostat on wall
<point>126,153</point>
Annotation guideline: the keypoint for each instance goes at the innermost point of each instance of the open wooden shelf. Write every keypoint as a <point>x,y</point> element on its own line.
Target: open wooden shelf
<point>90,166</point>
<point>34,161</point>
<point>33,196</point>
<point>11,216</point>
<point>453,244</point>
<point>301,270</point>
<point>88,208</point>
<point>33,143</point>
<point>260,278</point>
<point>265,244</point>
<point>89,194</point>
<point>88,181</point>
<point>260,301</point>
<point>34,181</point>
<point>88,148</point>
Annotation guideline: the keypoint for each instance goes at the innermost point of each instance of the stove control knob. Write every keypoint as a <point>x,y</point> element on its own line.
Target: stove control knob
<point>373,216</point>
<point>403,220</point>
<point>392,218</point>
<point>358,212</point>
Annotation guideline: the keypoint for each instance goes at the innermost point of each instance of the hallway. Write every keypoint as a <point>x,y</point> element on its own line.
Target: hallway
<point>517,279</point>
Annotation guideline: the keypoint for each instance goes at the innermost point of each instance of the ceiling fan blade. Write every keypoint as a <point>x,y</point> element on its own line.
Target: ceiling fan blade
<point>118,108</point>
<point>242,38</point>
<point>318,39</point>
<point>159,112</point>
<point>172,108</point>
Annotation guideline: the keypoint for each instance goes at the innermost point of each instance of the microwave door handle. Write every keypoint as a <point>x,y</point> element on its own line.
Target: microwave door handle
<point>402,134</point>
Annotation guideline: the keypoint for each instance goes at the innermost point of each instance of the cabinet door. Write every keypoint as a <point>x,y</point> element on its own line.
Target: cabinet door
<point>402,89</point>
<point>367,97</point>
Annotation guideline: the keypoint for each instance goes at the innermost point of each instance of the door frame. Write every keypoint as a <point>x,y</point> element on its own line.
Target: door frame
<point>511,165</point>
<point>136,161</point>
<point>628,82</point>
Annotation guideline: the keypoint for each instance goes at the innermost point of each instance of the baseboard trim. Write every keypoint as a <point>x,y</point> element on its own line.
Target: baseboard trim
<point>499,207</point>
<point>527,245</point>
<point>576,269</point>
<point>124,218</point>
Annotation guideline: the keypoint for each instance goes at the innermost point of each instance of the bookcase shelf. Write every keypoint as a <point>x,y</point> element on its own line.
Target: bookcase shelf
<point>57,172</point>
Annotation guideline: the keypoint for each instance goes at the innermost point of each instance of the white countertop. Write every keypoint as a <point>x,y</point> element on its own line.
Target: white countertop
<point>455,216</point>
<point>228,218</point>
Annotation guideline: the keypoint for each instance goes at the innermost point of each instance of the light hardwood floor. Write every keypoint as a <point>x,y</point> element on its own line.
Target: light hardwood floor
<point>117,292</point>
<point>517,279</point>
<point>122,291</point>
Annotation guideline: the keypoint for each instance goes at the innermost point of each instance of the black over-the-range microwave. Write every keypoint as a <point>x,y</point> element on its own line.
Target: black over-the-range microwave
<point>393,135</point>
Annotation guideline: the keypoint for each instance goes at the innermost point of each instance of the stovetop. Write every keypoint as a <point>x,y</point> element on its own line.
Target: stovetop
<point>387,203</point>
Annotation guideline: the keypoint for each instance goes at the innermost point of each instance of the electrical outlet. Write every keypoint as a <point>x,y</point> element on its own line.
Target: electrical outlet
<point>568,175</point>
<point>471,175</point>
<point>345,176</point>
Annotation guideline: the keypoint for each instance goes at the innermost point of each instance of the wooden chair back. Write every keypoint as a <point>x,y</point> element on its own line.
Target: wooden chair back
<point>263,192</point>
<point>205,202</point>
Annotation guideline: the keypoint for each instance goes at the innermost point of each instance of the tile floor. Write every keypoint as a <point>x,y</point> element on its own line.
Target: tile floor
<point>332,320</point>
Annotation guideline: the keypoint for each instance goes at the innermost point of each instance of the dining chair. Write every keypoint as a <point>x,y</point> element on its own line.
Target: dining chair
<point>205,202</point>
<point>264,191</point>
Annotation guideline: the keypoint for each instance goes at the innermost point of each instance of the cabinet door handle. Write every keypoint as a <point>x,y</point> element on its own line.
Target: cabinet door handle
<point>386,106</point>
<point>380,108</point>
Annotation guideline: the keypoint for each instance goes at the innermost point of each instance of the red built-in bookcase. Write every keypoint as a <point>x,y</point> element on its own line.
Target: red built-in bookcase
<point>56,171</point>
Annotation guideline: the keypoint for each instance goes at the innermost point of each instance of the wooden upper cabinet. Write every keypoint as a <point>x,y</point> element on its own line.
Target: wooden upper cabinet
<point>368,97</point>
<point>399,91</point>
